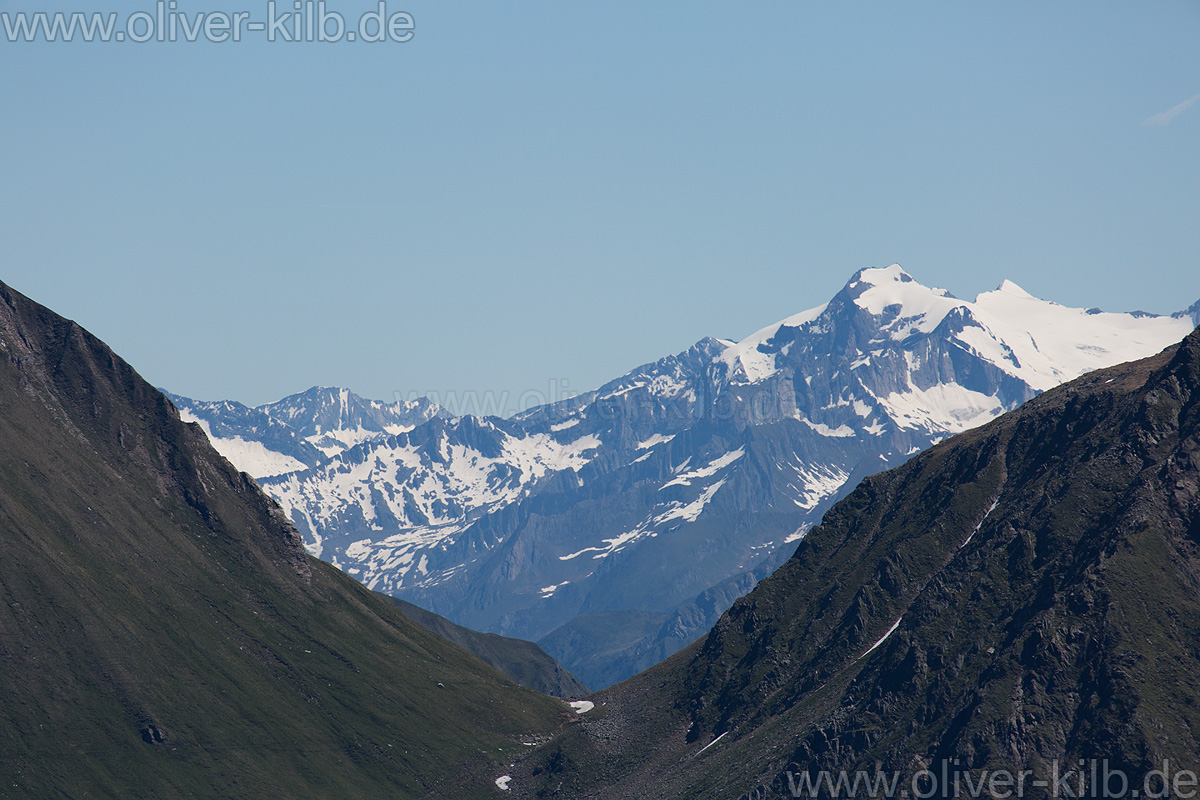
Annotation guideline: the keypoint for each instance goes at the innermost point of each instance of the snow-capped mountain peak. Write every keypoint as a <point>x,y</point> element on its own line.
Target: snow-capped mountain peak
<point>1039,342</point>
<point>1052,343</point>
<point>697,469</point>
<point>1008,287</point>
<point>894,292</point>
<point>880,276</point>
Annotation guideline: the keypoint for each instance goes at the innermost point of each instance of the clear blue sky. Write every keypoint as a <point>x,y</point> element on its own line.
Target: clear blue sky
<point>528,193</point>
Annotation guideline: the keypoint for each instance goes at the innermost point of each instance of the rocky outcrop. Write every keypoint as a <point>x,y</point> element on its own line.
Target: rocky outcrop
<point>1021,597</point>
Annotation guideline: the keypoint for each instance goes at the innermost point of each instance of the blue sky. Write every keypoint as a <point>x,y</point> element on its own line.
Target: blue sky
<point>538,196</point>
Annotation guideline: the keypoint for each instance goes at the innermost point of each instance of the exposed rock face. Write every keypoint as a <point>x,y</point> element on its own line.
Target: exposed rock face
<point>1023,596</point>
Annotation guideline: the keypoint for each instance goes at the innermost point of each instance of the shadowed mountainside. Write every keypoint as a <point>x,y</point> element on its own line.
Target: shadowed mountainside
<point>163,633</point>
<point>523,661</point>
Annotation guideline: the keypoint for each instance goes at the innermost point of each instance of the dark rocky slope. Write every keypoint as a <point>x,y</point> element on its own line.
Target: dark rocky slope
<point>1024,594</point>
<point>523,661</point>
<point>163,634</point>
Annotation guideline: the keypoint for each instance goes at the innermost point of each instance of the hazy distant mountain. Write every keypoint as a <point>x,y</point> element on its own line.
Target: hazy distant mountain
<point>523,661</point>
<point>164,634</point>
<point>301,430</point>
<point>671,490</point>
<point>1021,599</point>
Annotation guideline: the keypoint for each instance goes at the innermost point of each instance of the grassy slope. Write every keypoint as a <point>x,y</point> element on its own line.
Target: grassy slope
<point>163,634</point>
<point>523,661</point>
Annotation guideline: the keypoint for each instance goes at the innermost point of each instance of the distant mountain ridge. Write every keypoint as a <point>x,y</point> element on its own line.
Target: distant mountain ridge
<point>301,430</point>
<point>697,471</point>
<point>1021,599</point>
<point>523,661</point>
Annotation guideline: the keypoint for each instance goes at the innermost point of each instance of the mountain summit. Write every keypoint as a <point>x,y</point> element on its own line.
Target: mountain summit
<point>616,526</point>
<point>1023,599</point>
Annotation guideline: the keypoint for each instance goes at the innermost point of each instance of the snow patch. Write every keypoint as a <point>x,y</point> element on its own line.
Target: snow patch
<point>747,363</point>
<point>675,511</point>
<point>882,639</point>
<point>840,432</point>
<point>813,483</point>
<point>712,468</point>
<point>654,440</point>
<point>798,534</point>
<point>986,514</point>
<point>943,407</point>
<point>548,591</point>
<point>253,458</point>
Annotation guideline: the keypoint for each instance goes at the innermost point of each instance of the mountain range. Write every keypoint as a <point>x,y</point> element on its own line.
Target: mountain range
<point>1014,612</point>
<point>163,632</point>
<point>615,527</point>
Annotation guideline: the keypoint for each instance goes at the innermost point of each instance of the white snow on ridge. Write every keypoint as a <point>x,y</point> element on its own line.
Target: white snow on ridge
<point>690,511</point>
<point>840,432</point>
<point>359,550</point>
<point>419,492</point>
<point>339,440</point>
<point>1042,343</point>
<point>542,454</point>
<point>882,639</point>
<point>1051,343</point>
<point>744,357</point>
<point>1056,343</point>
<point>944,407</point>
<point>667,386</point>
<point>673,511</point>
<point>798,534</point>
<point>711,469</point>
<point>921,308</point>
<point>670,514</point>
<point>979,525</point>
<point>654,440</point>
<point>385,564</point>
<point>430,501</point>
<point>253,458</point>
<point>813,483</point>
